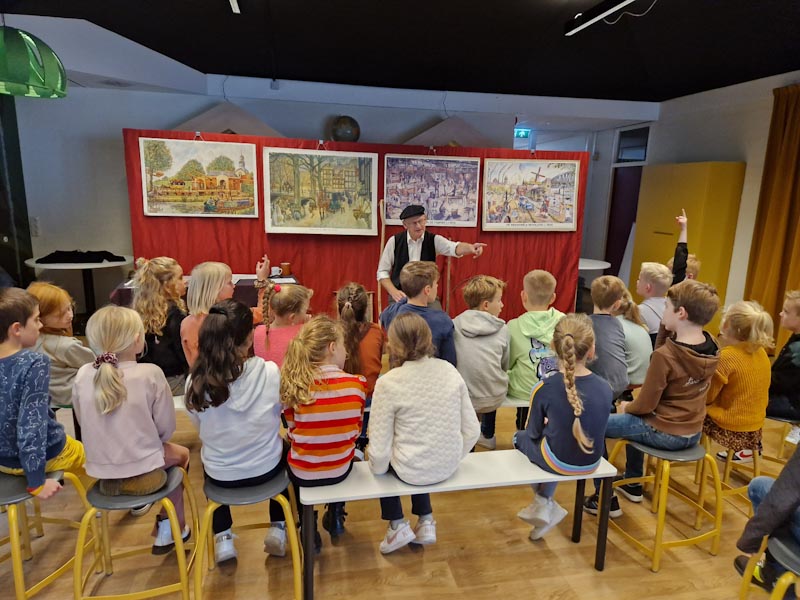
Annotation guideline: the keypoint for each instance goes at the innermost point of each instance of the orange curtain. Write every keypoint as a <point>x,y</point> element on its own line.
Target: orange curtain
<point>775,254</point>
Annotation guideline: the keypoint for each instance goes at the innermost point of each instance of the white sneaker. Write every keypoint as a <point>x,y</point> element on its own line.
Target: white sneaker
<point>141,510</point>
<point>164,542</point>
<point>793,437</point>
<point>397,538</point>
<point>425,533</point>
<point>532,513</point>
<point>275,540</point>
<point>484,442</point>
<point>557,514</point>
<point>740,457</point>
<point>223,546</point>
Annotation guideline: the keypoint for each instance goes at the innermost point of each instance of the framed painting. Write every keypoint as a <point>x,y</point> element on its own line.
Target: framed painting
<point>529,195</point>
<point>319,191</point>
<point>193,178</point>
<point>447,186</point>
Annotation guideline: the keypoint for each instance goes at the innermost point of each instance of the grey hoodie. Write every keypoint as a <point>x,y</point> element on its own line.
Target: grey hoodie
<point>482,347</point>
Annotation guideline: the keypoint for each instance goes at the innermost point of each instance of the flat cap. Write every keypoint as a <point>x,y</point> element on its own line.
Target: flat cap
<point>412,210</point>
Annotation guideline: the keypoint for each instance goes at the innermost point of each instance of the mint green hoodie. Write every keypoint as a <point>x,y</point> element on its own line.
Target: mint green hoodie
<point>531,355</point>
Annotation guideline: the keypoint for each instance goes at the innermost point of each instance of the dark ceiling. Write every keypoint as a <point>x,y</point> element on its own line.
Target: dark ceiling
<point>503,46</point>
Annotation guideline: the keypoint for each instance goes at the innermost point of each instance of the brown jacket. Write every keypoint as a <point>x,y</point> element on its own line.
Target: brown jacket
<point>672,397</point>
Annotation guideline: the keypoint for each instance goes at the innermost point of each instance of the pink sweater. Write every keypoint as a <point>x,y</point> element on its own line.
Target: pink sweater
<point>279,338</point>
<point>130,440</point>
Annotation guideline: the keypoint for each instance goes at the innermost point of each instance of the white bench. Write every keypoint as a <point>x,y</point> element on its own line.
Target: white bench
<point>478,470</point>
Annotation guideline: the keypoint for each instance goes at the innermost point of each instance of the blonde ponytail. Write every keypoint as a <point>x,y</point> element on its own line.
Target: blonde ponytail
<point>307,351</point>
<point>749,323</point>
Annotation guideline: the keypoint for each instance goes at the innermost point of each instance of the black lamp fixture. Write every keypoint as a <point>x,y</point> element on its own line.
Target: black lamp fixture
<point>29,67</point>
<point>594,14</point>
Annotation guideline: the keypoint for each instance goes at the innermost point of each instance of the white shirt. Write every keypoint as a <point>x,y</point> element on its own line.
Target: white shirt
<point>652,310</point>
<point>443,246</point>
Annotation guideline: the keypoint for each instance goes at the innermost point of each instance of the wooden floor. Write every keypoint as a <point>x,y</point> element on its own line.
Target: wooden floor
<point>483,550</point>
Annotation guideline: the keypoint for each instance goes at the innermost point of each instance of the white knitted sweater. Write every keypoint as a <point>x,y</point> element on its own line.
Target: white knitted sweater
<point>422,422</point>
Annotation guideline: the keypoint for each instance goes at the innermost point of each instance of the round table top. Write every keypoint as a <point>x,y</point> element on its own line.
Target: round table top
<point>31,262</point>
<point>590,264</point>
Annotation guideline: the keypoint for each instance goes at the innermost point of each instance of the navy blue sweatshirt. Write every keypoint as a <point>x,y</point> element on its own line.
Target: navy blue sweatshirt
<point>440,323</point>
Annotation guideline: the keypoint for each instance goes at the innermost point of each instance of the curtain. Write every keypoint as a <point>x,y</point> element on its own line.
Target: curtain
<point>774,266</point>
<point>326,262</point>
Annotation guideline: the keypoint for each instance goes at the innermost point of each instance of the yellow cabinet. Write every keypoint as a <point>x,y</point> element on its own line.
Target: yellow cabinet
<point>710,192</point>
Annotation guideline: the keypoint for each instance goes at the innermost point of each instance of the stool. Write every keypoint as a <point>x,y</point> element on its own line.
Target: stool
<point>13,495</point>
<point>661,488</point>
<point>753,469</point>
<point>102,503</point>
<point>781,457</point>
<point>217,496</point>
<point>786,551</point>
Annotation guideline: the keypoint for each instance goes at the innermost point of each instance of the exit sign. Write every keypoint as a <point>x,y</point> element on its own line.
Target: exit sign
<point>520,133</point>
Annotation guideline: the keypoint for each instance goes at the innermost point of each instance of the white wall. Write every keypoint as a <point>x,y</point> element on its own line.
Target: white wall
<point>727,124</point>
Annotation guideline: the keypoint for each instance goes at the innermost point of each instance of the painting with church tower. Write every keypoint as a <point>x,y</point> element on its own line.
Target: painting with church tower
<point>195,178</point>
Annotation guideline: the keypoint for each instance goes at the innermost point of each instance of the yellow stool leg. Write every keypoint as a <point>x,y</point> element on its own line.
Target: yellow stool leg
<point>37,518</point>
<point>89,519</point>
<point>726,475</point>
<point>782,444</point>
<point>205,542</point>
<point>180,553</point>
<point>294,545</point>
<point>783,583</point>
<point>718,498</point>
<point>663,489</point>
<point>657,486</point>
<point>25,531</point>
<point>747,576</point>
<point>617,449</point>
<point>105,543</point>
<point>16,552</point>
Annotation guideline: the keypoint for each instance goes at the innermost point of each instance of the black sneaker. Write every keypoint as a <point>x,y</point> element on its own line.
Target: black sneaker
<point>740,563</point>
<point>333,519</point>
<point>591,503</point>
<point>632,491</point>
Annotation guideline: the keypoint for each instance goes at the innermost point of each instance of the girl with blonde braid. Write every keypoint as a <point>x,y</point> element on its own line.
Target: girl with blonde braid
<point>567,422</point>
<point>284,308</point>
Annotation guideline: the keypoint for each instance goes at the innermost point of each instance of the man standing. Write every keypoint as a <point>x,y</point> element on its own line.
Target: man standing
<point>416,244</point>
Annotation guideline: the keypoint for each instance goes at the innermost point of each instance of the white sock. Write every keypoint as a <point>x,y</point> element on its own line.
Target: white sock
<point>426,518</point>
<point>279,524</point>
<point>221,533</point>
<point>395,523</point>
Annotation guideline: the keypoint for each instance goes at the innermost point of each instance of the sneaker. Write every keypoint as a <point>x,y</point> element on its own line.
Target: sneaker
<point>537,513</point>
<point>138,511</point>
<point>632,491</point>
<point>164,542</point>
<point>557,514</point>
<point>484,442</point>
<point>741,457</point>
<point>425,532</point>
<point>793,437</point>
<point>333,519</point>
<point>275,540</point>
<point>760,577</point>
<point>591,504</point>
<point>224,550</point>
<point>397,538</point>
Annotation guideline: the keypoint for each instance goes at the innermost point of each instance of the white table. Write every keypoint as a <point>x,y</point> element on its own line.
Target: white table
<point>591,264</point>
<point>86,270</point>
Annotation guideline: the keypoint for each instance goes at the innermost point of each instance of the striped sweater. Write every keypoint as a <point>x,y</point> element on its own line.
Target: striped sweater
<point>323,434</point>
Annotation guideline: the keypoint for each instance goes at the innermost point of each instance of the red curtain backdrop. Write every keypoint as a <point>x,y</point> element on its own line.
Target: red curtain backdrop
<point>326,262</point>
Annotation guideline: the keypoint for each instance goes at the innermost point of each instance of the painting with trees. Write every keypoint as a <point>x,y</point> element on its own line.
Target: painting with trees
<point>195,178</point>
<point>318,191</point>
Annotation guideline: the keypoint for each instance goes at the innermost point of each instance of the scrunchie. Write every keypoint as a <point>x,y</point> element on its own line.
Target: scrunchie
<point>106,357</point>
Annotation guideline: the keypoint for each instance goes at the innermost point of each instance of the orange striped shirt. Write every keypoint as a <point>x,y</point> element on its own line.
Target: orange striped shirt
<point>323,434</point>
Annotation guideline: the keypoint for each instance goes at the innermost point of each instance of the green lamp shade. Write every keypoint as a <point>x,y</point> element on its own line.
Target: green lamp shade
<point>28,67</point>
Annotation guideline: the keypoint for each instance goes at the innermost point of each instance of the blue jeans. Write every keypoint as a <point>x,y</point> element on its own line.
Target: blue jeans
<point>758,490</point>
<point>633,427</point>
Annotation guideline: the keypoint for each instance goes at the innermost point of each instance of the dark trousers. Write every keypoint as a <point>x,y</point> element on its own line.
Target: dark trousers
<point>222,519</point>
<point>782,407</point>
<point>392,509</point>
<point>522,418</point>
<point>488,421</point>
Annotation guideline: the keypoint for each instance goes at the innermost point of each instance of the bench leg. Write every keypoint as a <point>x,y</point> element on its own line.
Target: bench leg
<point>602,525</point>
<point>577,516</point>
<point>308,552</point>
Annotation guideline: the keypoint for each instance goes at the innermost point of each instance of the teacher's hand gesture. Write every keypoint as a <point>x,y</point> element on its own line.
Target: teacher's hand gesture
<point>476,249</point>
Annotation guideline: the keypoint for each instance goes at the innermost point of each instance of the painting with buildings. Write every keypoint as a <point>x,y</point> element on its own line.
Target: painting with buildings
<point>318,191</point>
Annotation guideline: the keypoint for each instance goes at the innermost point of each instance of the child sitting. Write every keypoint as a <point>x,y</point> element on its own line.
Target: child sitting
<point>158,299</point>
<point>784,389</point>
<point>285,309</point>
<point>482,346</point>
<point>32,442</point>
<point>653,282</point>
<point>567,422</point>
<point>420,392</point>
<point>420,283</point>
<point>638,346</point>
<point>737,399</point>
<point>127,415</point>
<point>324,408</point>
<point>531,357</point>
<point>234,402</point>
<point>668,413</point>
<point>211,282</point>
<point>608,293</point>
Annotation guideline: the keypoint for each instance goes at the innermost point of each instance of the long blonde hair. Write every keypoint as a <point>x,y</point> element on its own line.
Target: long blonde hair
<point>111,330</point>
<point>155,291</point>
<point>205,284</point>
<point>307,351</point>
<point>749,323</point>
<point>572,340</point>
<point>630,311</point>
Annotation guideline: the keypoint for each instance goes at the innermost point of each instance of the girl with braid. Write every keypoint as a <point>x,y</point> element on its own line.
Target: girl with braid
<point>284,308</point>
<point>567,422</point>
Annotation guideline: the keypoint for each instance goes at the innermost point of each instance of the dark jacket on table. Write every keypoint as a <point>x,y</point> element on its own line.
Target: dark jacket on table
<point>165,350</point>
<point>786,372</point>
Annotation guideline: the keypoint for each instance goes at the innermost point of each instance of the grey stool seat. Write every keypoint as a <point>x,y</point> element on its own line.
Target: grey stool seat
<point>785,549</point>
<point>692,454</point>
<point>125,502</point>
<point>247,495</point>
<point>13,488</point>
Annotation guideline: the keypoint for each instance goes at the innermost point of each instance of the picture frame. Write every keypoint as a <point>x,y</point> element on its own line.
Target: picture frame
<point>447,186</point>
<point>195,178</point>
<point>530,195</point>
<point>320,192</point>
